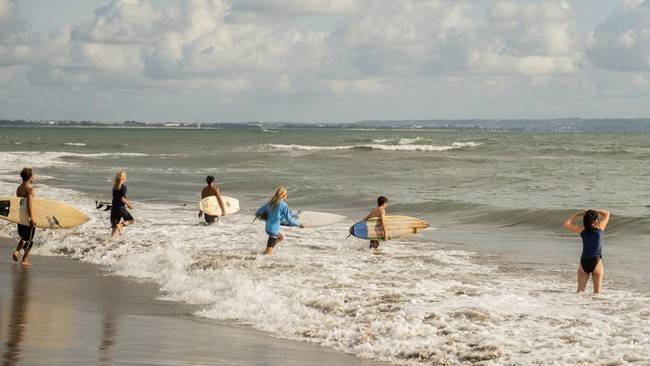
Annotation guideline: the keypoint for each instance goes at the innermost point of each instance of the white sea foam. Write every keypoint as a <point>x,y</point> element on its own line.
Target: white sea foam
<point>415,303</point>
<point>75,144</point>
<point>403,145</point>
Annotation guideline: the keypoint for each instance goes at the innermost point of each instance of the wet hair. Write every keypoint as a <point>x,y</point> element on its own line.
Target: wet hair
<point>26,173</point>
<point>117,185</point>
<point>590,219</point>
<point>209,179</point>
<point>279,195</point>
<point>381,200</point>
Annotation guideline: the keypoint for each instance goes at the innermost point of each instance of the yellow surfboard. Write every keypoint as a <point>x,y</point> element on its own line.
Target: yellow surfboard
<point>396,227</point>
<point>46,214</point>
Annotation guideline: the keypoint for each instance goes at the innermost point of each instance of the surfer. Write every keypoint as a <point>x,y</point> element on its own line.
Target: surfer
<point>212,190</point>
<point>119,205</point>
<point>380,212</point>
<point>591,232</point>
<point>277,210</point>
<point>26,233</point>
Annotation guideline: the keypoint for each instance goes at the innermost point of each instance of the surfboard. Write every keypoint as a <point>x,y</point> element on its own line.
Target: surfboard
<point>46,214</point>
<point>209,205</point>
<point>311,218</point>
<point>396,227</point>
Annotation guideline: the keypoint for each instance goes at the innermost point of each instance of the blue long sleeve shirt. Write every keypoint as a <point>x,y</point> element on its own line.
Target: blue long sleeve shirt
<point>275,217</point>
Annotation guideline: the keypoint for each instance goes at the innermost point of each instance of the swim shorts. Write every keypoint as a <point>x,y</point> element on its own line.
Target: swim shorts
<point>26,232</point>
<point>210,219</point>
<point>273,239</point>
<point>118,213</point>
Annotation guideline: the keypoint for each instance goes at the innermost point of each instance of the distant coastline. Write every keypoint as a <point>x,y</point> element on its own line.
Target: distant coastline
<point>561,124</point>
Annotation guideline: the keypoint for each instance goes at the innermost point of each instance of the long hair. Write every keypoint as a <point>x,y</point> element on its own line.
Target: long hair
<point>279,195</point>
<point>590,219</point>
<point>117,185</point>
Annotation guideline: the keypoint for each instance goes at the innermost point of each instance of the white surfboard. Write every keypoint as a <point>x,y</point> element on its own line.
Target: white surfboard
<point>209,205</point>
<point>45,213</point>
<point>313,218</point>
<point>309,218</point>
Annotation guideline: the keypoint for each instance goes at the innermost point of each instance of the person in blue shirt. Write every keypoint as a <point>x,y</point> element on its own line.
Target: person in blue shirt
<point>277,211</point>
<point>119,205</point>
<point>591,232</point>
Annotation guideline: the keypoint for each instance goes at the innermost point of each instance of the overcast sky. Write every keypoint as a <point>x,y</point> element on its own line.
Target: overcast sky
<point>323,60</point>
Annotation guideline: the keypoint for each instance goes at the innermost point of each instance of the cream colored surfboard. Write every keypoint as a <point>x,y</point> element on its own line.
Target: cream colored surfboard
<point>210,205</point>
<point>396,226</point>
<point>46,214</point>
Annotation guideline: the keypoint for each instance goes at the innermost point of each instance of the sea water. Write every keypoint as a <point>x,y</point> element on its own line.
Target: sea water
<point>491,282</point>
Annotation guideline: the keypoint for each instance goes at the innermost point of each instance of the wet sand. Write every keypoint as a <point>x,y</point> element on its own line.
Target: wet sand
<point>63,312</point>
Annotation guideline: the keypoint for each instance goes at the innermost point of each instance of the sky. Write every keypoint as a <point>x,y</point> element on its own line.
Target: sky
<point>323,61</point>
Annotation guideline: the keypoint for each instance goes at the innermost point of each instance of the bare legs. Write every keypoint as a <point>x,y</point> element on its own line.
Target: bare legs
<point>269,250</point>
<point>118,228</point>
<point>23,245</point>
<point>596,277</point>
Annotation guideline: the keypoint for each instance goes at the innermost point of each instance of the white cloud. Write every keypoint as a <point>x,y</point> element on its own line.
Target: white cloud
<point>300,6</point>
<point>460,55</point>
<point>622,42</point>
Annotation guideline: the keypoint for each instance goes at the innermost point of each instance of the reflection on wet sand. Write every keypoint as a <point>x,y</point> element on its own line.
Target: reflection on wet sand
<point>109,332</point>
<point>19,306</point>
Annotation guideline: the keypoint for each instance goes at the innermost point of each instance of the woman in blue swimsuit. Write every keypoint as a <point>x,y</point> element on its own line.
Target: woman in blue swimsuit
<point>591,232</point>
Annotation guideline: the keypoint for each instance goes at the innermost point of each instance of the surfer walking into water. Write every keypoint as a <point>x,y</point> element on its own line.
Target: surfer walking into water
<point>26,233</point>
<point>591,232</point>
<point>277,210</point>
<point>212,190</point>
<point>119,205</point>
<point>380,212</point>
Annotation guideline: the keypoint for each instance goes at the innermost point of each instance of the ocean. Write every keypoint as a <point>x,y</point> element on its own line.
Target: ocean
<point>492,281</point>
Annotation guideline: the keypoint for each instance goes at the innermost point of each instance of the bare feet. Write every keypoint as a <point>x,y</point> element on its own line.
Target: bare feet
<point>16,254</point>
<point>117,230</point>
<point>25,263</point>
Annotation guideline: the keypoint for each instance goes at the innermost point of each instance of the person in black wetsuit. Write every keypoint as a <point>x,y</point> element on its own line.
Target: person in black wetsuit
<point>591,232</point>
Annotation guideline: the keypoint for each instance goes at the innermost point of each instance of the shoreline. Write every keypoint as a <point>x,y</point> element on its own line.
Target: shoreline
<point>61,311</point>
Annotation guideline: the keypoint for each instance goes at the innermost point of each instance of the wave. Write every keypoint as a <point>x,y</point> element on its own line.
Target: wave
<point>75,144</point>
<point>545,219</point>
<point>402,145</point>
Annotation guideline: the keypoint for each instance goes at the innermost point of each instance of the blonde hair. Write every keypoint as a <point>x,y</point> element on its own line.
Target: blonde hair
<point>117,185</point>
<point>280,194</point>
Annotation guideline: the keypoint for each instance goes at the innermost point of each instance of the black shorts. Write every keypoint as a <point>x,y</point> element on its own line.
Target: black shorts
<point>26,232</point>
<point>589,264</point>
<point>210,219</point>
<point>119,213</point>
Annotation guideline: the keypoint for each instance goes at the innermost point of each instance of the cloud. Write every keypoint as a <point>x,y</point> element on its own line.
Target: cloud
<point>15,41</point>
<point>622,42</point>
<point>299,6</point>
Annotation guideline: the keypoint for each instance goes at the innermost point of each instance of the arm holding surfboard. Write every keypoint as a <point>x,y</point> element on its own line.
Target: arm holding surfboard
<point>208,191</point>
<point>26,233</point>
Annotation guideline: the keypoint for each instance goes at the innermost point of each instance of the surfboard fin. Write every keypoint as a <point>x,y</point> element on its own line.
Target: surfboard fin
<point>99,205</point>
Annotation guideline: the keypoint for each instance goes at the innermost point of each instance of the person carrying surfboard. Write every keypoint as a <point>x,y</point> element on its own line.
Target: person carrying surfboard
<point>380,212</point>
<point>212,190</point>
<point>119,205</point>
<point>591,232</point>
<point>26,233</point>
<point>277,211</point>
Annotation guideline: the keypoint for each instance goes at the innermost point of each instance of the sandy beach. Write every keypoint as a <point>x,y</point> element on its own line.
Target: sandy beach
<point>64,312</point>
